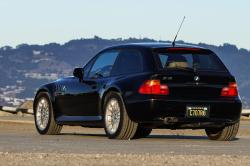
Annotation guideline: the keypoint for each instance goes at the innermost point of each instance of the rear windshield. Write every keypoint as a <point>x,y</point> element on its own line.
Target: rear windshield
<point>199,61</point>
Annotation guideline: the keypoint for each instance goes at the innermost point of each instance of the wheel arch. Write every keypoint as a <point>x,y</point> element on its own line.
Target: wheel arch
<point>43,89</point>
<point>104,96</point>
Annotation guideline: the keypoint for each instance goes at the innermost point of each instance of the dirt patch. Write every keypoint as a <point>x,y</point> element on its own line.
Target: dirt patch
<point>244,118</point>
<point>27,105</point>
<point>15,123</point>
<point>3,113</point>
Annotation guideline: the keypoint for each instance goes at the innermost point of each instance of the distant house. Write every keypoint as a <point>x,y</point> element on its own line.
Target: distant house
<point>36,52</point>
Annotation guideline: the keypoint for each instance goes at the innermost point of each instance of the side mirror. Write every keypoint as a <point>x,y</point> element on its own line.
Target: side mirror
<point>78,72</point>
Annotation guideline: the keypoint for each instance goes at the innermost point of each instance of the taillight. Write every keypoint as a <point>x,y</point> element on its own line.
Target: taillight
<point>154,87</point>
<point>230,90</point>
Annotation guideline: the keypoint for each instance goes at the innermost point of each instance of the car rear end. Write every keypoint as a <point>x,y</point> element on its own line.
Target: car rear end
<point>192,88</point>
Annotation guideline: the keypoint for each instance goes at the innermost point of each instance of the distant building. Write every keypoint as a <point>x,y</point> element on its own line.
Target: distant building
<point>9,94</point>
<point>13,86</point>
<point>49,76</point>
<point>7,99</point>
<point>19,81</point>
<point>38,60</point>
<point>29,99</point>
<point>36,52</point>
<point>16,103</point>
<point>16,100</point>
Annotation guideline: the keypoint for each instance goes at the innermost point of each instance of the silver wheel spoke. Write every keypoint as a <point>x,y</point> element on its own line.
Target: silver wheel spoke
<point>112,116</point>
<point>42,113</point>
<point>111,109</point>
<point>43,123</point>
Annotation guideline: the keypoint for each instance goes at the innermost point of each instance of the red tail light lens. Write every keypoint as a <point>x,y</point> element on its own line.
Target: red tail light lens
<point>230,90</point>
<point>154,87</point>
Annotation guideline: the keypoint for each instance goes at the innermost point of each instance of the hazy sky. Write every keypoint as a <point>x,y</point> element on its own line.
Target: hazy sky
<point>46,21</point>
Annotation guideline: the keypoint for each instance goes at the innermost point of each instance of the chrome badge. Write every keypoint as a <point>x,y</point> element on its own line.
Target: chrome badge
<point>64,88</point>
<point>196,78</point>
<point>167,78</point>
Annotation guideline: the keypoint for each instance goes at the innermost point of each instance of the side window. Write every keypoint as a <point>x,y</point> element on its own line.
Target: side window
<point>208,62</point>
<point>87,67</point>
<point>128,61</point>
<point>103,64</point>
<point>164,59</point>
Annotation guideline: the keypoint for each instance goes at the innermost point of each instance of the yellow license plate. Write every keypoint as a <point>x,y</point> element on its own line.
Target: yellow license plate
<point>197,112</point>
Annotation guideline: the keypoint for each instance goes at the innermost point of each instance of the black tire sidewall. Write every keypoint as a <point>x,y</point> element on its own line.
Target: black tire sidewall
<point>214,133</point>
<point>43,95</point>
<point>226,133</point>
<point>141,132</point>
<point>118,98</point>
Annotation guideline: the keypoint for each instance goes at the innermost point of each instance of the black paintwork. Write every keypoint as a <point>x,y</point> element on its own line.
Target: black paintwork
<point>83,100</point>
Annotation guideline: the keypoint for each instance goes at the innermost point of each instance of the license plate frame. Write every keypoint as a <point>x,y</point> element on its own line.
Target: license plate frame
<point>197,111</point>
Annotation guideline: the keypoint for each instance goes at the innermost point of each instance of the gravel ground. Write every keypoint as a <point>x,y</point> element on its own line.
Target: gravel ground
<point>118,159</point>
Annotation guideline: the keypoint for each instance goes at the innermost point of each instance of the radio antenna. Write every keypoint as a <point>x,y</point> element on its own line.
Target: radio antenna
<point>177,32</point>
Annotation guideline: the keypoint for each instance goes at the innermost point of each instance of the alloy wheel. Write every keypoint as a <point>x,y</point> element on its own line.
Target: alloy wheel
<point>42,114</point>
<point>112,116</point>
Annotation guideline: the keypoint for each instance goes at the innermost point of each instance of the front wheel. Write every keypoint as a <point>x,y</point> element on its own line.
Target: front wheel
<point>223,134</point>
<point>44,118</point>
<point>117,124</point>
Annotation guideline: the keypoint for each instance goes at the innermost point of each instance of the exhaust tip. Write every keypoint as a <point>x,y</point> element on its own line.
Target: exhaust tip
<point>170,119</point>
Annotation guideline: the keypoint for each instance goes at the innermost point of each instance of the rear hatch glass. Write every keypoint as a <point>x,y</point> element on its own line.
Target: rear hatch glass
<point>193,59</point>
<point>192,73</point>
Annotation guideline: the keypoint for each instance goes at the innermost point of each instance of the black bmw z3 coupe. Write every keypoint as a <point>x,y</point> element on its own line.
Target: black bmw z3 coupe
<point>131,89</point>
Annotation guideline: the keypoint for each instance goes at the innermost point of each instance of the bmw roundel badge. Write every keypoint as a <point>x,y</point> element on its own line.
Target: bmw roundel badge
<point>196,78</point>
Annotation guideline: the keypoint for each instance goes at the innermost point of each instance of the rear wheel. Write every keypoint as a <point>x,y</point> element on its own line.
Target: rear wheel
<point>223,134</point>
<point>44,117</point>
<point>117,124</point>
<point>141,132</point>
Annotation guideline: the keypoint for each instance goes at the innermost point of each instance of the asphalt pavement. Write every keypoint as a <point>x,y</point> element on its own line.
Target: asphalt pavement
<point>17,119</point>
<point>21,138</point>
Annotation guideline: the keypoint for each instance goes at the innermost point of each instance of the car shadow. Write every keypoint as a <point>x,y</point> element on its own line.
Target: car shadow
<point>180,137</point>
<point>81,134</point>
<point>177,137</point>
<point>151,137</point>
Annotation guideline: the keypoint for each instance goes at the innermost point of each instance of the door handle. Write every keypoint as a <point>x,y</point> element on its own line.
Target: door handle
<point>94,86</point>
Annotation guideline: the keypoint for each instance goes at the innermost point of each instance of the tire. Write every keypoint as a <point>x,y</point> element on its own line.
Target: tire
<point>46,125</point>
<point>141,132</point>
<point>223,134</point>
<point>117,124</point>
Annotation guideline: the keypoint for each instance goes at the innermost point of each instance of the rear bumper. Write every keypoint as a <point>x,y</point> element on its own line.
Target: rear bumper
<point>153,109</point>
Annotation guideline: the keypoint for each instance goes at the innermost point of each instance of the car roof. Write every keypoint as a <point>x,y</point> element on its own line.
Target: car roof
<point>153,45</point>
<point>160,45</point>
